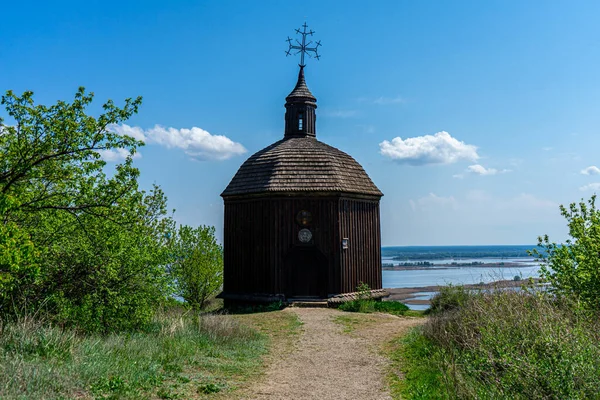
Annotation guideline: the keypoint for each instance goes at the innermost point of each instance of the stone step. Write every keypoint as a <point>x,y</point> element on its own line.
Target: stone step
<point>319,303</point>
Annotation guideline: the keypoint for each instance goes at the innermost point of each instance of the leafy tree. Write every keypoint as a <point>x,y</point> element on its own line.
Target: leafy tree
<point>198,264</point>
<point>101,240</point>
<point>573,269</point>
<point>106,276</point>
<point>18,260</point>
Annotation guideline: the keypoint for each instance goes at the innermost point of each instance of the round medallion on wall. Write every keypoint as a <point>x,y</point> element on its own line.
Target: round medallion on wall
<point>304,235</point>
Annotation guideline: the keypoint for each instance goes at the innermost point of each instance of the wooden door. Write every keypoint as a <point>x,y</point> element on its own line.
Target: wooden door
<point>306,270</point>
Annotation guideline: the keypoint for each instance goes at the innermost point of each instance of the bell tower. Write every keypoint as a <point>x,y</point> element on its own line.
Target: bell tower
<point>300,106</point>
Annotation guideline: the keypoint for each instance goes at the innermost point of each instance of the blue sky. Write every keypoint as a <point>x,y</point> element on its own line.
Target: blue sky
<point>513,84</point>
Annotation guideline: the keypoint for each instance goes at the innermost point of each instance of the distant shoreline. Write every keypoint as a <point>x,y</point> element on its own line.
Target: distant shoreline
<point>452,266</point>
<point>406,295</point>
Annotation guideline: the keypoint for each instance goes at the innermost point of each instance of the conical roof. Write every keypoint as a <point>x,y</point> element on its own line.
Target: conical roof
<point>301,91</point>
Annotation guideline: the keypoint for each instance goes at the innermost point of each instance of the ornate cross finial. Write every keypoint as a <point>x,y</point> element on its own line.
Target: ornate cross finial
<point>303,48</point>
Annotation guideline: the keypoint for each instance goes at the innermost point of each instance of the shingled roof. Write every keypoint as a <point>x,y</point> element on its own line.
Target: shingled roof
<point>301,91</point>
<point>300,165</point>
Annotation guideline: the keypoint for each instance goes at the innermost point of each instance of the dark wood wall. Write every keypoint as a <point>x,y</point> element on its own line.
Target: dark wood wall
<point>260,231</point>
<point>361,261</point>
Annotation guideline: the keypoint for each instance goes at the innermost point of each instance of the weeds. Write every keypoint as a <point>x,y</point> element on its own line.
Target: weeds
<point>503,344</point>
<point>38,360</point>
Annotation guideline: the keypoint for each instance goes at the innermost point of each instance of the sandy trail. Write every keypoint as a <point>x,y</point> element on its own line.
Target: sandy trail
<point>328,362</point>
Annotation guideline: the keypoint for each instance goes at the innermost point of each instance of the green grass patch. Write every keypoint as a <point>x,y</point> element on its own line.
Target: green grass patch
<point>500,345</point>
<point>415,372</point>
<point>370,306</point>
<point>181,357</point>
<point>351,322</point>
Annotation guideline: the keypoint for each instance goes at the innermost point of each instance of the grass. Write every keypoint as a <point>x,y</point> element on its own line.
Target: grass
<point>497,345</point>
<point>350,323</point>
<point>283,328</point>
<point>414,370</point>
<point>370,305</point>
<point>182,357</point>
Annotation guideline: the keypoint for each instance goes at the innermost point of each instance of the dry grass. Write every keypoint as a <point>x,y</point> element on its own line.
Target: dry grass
<point>184,356</point>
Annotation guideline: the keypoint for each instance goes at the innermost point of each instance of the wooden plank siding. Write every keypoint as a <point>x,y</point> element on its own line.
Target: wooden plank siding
<point>361,262</point>
<point>260,231</point>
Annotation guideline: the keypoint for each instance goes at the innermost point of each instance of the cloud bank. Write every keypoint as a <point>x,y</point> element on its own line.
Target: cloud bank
<point>195,142</point>
<point>479,169</point>
<point>382,100</point>
<point>114,155</point>
<point>440,148</point>
<point>591,170</point>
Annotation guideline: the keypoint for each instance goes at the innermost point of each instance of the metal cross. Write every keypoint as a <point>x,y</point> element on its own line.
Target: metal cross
<point>303,48</point>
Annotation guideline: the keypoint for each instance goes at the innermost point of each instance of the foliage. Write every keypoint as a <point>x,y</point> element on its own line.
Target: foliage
<point>366,304</point>
<point>177,357</point>
<point>51,156</point>
<point>19,266</point>
<point>506,344</point>
<point>197,265</point>
<point>449,298</point>
<point>104,276</point>
<point>573,269</point>
<point>417,359</point>
<point>100,239</point>
<point>369,306</point>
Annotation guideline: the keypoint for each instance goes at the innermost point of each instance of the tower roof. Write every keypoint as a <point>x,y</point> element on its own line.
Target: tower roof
<point>301,91</point>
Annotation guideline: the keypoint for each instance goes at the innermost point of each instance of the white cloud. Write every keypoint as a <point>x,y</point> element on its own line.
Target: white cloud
<point>114,155</point>
<point>479,169</point>
<point>590,186</point>
<point>547,148</point>
<point>440,148</point>
<point>382,100</point>
<point>591,170</point>
<point>389,100</point>
<point>134,131</point>
<point>195,142</point>
<point>339,113</point>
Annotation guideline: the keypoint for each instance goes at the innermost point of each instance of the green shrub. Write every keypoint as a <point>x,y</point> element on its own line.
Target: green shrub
<point>198,264</point>
<point>449,298</point>
<point>573,269</point>
<point>516,345</point>
<point>391,307</point>
<point>19,261</point>
<point>369,306</point>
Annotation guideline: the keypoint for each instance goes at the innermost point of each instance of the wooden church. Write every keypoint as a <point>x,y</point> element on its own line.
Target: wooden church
<point>301,217</point>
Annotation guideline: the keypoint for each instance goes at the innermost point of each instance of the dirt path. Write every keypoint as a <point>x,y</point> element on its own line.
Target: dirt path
<point>337,356</point>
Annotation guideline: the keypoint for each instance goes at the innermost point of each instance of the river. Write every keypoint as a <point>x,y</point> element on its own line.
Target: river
<point>456,275</point>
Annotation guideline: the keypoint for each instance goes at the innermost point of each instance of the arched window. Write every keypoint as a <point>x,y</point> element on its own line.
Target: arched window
<point>300,121</point>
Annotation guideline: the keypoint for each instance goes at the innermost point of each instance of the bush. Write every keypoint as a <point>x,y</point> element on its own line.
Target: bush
<point>366,304</point>
<point>78,242</point>
<point>449,298</point>
<point>573,269</point>
<point>508,344</point>
<point>198,264</point>
<point>19,267</point>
